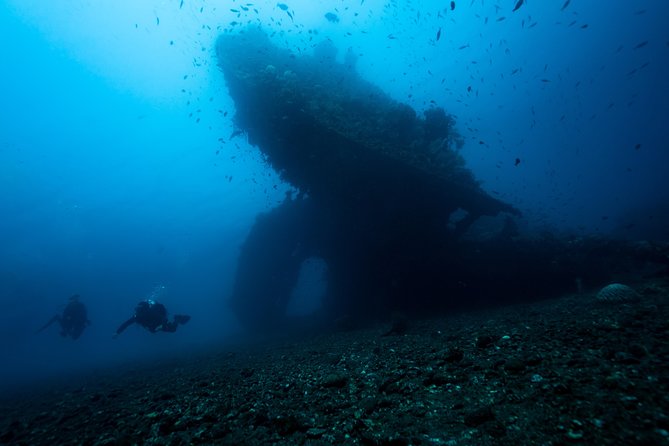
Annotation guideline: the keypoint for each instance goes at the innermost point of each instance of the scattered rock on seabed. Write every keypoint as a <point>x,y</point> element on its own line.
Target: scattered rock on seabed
<point>564,371</point>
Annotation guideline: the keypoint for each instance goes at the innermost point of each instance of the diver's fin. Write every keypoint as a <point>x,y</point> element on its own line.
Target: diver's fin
<point>51,321</point>
<point>181,318</point>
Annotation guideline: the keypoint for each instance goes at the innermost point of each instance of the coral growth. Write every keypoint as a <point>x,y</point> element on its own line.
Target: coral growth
<point>617,293</point>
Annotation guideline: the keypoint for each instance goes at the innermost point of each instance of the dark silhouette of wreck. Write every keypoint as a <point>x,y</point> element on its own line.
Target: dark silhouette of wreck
<point>379,187</point>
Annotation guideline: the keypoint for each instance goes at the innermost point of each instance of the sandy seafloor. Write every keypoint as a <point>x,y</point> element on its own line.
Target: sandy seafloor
<point>566,371</point>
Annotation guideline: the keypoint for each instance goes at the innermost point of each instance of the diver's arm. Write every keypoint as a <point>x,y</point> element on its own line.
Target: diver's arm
<point>125,325</point>
<point>56,318</point>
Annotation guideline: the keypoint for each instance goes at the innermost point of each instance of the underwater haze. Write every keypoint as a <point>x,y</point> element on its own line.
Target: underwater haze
<point>123,176</point>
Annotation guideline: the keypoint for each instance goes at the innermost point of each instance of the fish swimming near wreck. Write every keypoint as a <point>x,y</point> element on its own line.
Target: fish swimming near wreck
<point>332,17</point>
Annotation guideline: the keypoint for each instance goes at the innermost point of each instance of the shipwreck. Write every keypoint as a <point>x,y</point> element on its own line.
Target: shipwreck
<point>385,199</point>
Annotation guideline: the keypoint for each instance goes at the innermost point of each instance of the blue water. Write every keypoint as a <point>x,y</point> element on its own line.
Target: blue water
<point>119,176</point>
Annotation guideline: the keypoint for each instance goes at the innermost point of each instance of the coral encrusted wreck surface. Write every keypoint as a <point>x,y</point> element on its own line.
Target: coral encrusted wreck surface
<point>332,134</point>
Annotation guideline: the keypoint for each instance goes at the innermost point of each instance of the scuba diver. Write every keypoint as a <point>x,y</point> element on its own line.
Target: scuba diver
<point>153,316</point>
<point>73,320</point>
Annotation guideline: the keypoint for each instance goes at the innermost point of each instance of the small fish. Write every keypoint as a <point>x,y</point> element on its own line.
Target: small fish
<point>282,6</point>
<point>516,162</point>
<point>501,18</point>
<point>641,45</point>
<point>637,147</point>
<point>157,20</point>
<point>452,6</point>
<point>438,34</point>
<point>565,5</point>
<point>584,26</point>
<point>463,47</point>
<point>332,17</point>
<point>181,5</point>
<point>518,5</point>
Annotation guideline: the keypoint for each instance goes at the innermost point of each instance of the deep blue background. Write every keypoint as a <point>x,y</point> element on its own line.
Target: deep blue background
<point>118,174</point>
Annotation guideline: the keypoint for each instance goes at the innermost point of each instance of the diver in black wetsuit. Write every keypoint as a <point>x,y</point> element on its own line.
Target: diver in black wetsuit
<point>73,320</point>
<point>153,316</point>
